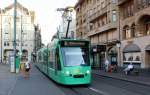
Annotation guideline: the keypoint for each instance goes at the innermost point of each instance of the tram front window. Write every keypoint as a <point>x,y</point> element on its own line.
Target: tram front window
<point>75,56</point>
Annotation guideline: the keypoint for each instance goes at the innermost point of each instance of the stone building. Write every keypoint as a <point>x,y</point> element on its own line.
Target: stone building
<point>24,31</point>
<point>135,32</point>
<point>37,41</point>
<point>97,20</point>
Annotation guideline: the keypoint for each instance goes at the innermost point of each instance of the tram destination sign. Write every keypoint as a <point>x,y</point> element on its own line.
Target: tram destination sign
<point>71,43</point>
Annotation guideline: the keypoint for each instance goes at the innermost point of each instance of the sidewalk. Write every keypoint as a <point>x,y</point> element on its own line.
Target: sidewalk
<point>15,84</point>
<point>144,80</point>
<point>7,80</point>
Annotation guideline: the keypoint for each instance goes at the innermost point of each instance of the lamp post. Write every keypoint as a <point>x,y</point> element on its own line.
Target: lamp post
<point>21,35</point>
<point>14,44</point>
<point>118,44</point>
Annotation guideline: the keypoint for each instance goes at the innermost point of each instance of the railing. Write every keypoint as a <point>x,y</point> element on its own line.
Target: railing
<point>104,28</point>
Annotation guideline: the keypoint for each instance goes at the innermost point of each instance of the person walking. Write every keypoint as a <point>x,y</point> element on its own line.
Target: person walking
<point>27,68</point>
<point>129,69</point>
<point>22,66</point>
<point>106,65</point>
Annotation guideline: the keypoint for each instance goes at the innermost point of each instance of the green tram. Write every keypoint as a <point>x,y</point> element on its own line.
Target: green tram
<point>66,61</point>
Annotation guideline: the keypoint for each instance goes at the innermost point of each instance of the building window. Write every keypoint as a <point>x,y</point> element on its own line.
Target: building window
<point>133,30</point>
<point>6,36</point>
<point>137,58</point>
<point>134,58</point>
<point>114,16</point>
<point>132,10</point>
<point>114,1</point>
<point>126,32</point>
<point>102,4</point>
<point>128,9</point>
<point>147,28</point>
<point>17,19</point>
<point>78,9</point>
<point>5,43</point>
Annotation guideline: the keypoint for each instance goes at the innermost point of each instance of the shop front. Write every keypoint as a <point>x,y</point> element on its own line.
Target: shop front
<point>132,54</point>
<point>112,55</point>
<point>98,56</point>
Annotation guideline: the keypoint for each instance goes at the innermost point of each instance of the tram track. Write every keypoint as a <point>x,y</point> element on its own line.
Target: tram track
<point>76,90</point>
<point>80,90</point>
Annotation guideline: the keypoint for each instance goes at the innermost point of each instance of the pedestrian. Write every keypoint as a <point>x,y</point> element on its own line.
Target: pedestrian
<point>22,66</point>
<point>27,68</point>
<point>129,69</point>
<point>106,65</point>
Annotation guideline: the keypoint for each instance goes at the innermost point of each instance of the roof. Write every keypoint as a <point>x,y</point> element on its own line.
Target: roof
<point>18,6</point>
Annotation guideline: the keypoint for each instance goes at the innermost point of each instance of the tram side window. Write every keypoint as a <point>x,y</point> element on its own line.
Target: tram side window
<point>58,60</point>
<point>40,58</point>
<point>51,65</point>
<point>85,54</point>
<point>45,58</point>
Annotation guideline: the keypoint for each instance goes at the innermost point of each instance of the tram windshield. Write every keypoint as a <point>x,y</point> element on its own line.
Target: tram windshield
<point>75,56</point>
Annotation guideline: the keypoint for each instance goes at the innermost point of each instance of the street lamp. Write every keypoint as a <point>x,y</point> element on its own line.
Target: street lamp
<point>21,34</point>
<point>118,44</point>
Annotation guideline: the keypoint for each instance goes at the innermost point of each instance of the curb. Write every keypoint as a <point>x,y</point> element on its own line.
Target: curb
<point>124,79</point>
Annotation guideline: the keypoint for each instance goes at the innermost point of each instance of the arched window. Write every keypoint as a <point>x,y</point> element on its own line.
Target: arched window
<point>144,23</point>
<point>126,32</point>
<point>133,30</point>
<point>147,27</point>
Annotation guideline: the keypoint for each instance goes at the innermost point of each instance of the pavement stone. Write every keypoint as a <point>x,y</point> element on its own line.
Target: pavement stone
<point>143,80</point>
<point>16,84</point>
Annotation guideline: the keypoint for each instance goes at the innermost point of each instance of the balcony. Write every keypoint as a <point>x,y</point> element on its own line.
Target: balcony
<point>98,13</point>
<point>103,28</point>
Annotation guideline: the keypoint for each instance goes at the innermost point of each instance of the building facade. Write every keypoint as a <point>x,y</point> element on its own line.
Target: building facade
<point>135,32</point>
<point>97,20</point>
<point>37,41</point>
<point>24,31</point>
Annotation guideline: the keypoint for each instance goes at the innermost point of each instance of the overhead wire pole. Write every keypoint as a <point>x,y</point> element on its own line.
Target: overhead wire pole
<point>66,15</point>
<point>21,33</point>
<point>1,40</point>
<point>15,13</point>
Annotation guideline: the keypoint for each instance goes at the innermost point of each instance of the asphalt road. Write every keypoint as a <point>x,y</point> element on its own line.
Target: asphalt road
<point>106,86</point>
<point>39,84</point>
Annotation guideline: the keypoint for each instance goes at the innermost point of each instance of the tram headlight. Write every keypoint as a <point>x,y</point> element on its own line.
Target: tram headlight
<point>88,72</point>
<point>67,72</point>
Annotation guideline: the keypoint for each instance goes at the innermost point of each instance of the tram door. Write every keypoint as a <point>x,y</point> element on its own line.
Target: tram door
<point>57,60</point>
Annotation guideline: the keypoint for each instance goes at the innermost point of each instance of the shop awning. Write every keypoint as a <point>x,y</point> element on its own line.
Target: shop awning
<point>147,48</point>
<point>131,48</point>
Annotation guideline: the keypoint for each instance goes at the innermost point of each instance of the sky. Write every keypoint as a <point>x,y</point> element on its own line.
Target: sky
<point>47,15</point>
